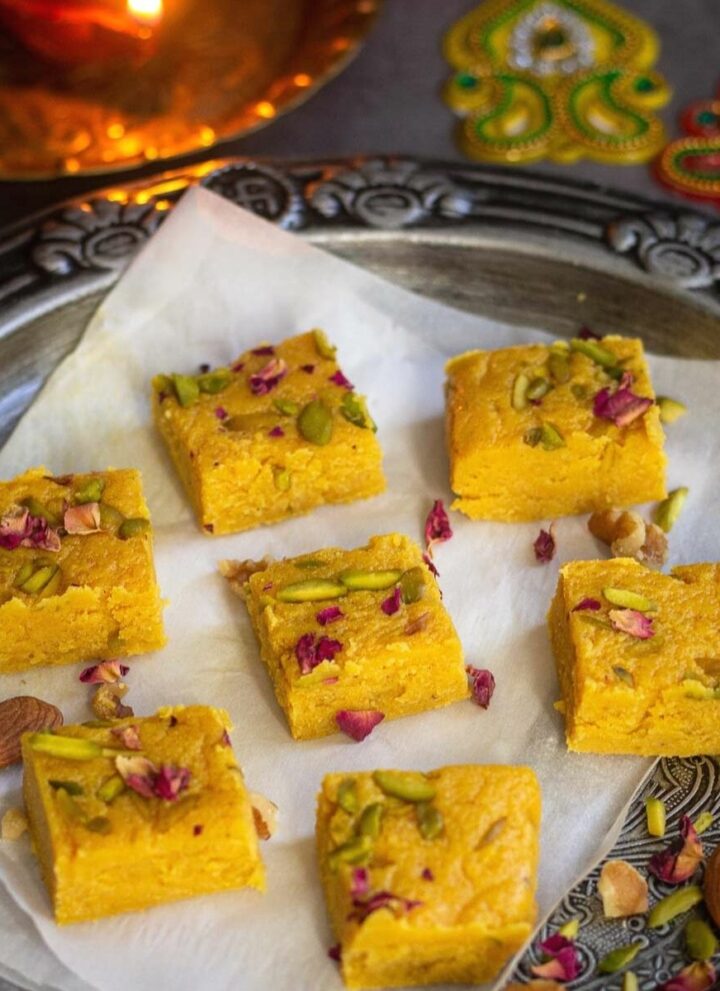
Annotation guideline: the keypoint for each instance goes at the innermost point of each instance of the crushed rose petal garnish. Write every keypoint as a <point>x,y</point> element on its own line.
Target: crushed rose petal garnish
<point>592,604</point>
<point>391,605</point>
<point>363,907</point>
<point>197,830</point>
<point>82,519</point>
<point>276,432</point>
<point>238,366</point>
<point>698,976</point>
<point>129,736</point>
<point>437,526</point>
<point>143,777</point>
<point>339,379</point>
<point>335,953</point>
<point>221,413</point>
<point>585,334</point>
<point>561,962</point>
<point>268,377</point>
<point>358,723</point>
<point>311,651</point>
<point>265,349</point>
<point>482,685</point>
<point>429,562</point>
<point>679,861</point>
<point>427,874</point>
<point>170,781</point>
<point>225,739</point>
<point>632,622</point>
<point>331,681</point>
<point>622,406</point>
<point>360,882</point>
<point>19,528</point>
<point>329,615</point>
<point>106,671</point>
<point>544,545</point>
<point>308,369</point>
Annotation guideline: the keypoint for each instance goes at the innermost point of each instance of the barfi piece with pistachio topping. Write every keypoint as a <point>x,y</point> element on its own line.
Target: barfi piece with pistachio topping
<point>276,434</point>
<point>137,812</point>
<point>638,657</point>
<point>352,637</point>
<point>553,430</point>
<point>77,578</point>
<point>429,878</point>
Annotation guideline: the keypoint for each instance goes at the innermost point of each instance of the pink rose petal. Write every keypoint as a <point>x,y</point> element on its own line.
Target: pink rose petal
<point>561,961</point>
<point>585,334</point>
<point>225,739</point>
<point>433,570</point>
<point>19,528</point>
<point>427,874</point>
<point>129,736</point>
<point>358,723</point>
<point>265,349</point>
<point>105,672</point>
<point>143,777</point>
<point>238,366</point>
<point>308,369</point>
<point>276,432</point>
<point>360,882</point>
<point>679,861</point>
<point>327,649</point>
<point>632,622</point>
<point>268,377</point>
<point>391,605</point>
<point>311,651</point>
<point>82,519</point>
<point>622,406</point>
<point>170,782</point>
<point>221,413</point>
<point>335,953</point>
<point>699,976</point>
<point>592,604</point>
<point>339,379</point>
<point>482,685</point>
<point>437,526</point>
<point>544,546</point>
<point>363,907</point>
<point>329,615</point>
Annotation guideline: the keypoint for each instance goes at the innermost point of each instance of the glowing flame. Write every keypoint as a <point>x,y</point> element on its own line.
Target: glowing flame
<point>146,11</point>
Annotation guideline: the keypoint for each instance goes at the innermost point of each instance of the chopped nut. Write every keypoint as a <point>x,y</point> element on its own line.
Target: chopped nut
<point>265,814</point>
<point>628,535</point>
<point>13,824</point>
<point>106,702</point>
<point>623,890</point>
<point>19,715</point>
<point>653,552</point>
<point>238,572</point>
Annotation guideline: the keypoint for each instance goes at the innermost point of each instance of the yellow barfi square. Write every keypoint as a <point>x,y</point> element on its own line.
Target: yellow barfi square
<point>275,435</point>
<point>540,431</point>
<point>638,657</point>
<point>77,578</point>
<point>144,811</point>
<point>429,878</point>
<point>354,631</point>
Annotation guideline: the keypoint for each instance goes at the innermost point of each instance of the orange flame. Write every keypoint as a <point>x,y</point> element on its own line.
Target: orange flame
<point>147,12</point>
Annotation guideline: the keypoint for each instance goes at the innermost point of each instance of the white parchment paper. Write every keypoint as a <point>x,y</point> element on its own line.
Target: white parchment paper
<point>212,282</point>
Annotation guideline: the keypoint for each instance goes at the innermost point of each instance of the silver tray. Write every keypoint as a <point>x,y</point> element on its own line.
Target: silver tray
<point>520,247</point>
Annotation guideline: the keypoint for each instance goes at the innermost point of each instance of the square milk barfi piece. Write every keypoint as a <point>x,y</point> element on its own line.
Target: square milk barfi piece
<point>354,631</point>
<point>275,435</point>
<point>145,811</point>
<point>638,657</point>
<point>77,578</point>
<point>552,430</point>
<point>429,878</point>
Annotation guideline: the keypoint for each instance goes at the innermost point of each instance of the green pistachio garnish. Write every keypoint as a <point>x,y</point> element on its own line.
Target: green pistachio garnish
<point>368,581</point>
<point>315,423</point>
<point>629,600</point>
<point>570,929</point>
<point>370,819</point>
<point>519,396</point>
<point>99,824</point>
<point>68,805</point>
<point>630,982</point>
<point>656,816</point>
<point>430,821</point>
<point>163,383</point>
<point>559,366</point>
<point>695,689</point>
<point>548,436</point>
<point>703,822</point>
<point>673,905</point>
<point>538,388</point>
<point>670,409</point>
<point>347,797</point>
<point>71,787</point>
<point>40,579</point>
<point>110,518</point>
<point>355,410</point>
<point>215,381</point>
<point>619,958</point>
<point>67,747</point>
<point>410,786</point>
<point>355,851</point>
<point>700,941</point>
<point>624,675</point>
<point>133,527</point>
<point>324,348</point>
<point>286,406</point>
<point>669,509</point>
<point>110,789</point>
<point>281,479</point>
<point>312,590</point>
<point>23,574</point>
<point>37,508</point>
<point>595,352</point>
<point>91,491</point>
<point>186,389</point>
<point>412,585</point>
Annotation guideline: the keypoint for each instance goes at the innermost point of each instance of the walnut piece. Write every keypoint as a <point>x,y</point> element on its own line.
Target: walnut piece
<point>238,572</point>
<point>13,824</point>
<point>623,890</point>
<point>265,814</point>
<point>106,702</point>
<point>628,535</point>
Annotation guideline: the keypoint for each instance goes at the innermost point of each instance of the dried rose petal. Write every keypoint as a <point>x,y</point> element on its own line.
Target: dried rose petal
<point>482,685</point>
<point>339,379</point>
<point>335,953</point>
<point>360,882</point>
<point>592,604</point>
<point>699,976</point>
<point>433,570</point>
<point>82,519</point>
<point>561,961</point>
<point>416,625</point>
<point>358,723</point>
<point>327,649</point>
<point>225,739</point>
<point>268,377</point>
<point>105,671</point>
<point>427,874</point>
<point>329,615</point>
<point>19,528</point>
<point>681,859</point>
<point>170,781</point>
<point>622,406</point>
<point>308,369</point>
<point>138,773</point>
<point>437,526</point>
<point>363,907</point>
<point>544,546</point>
<point>197,830</point>
<point>276,432</point>
<point>632,622</point>
<point>331,681</point>
<point>585,334</point>
<point>238,366</point>
<point>311,652</point>
<point>265,349</point>
<point>391,605</point>
<point>129,736</point>
<point>221,413</point>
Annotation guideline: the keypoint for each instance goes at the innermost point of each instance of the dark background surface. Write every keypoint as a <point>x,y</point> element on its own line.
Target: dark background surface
<point>388,100</point>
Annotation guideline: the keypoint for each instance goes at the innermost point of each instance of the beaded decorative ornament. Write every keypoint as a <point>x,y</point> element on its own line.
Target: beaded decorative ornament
<point>558,79</point>
<point>691,165</point>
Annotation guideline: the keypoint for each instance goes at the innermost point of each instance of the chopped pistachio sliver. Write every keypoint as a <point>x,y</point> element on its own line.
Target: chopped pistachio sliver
<point>355,851</point>
<point>308,564</point>
<point>624,675</point>
<point>281,478</point>
<point>430,820</point>
<point>359,580</point>
<point>595,352</point>
<point>412,585</point>
<point>695,689</point>
<point>315,423</point>
<point>410,786</point>
<point>67,747</point>
<point>656,817</point>
<point>550,437</point>
<point>700,941</point>
<point>629,600</point>
<point>369,822</point>
<point>71,787</point>
<point>99,824</point>
<point>670,409</point>
<point>186,389</point>
<point>23,574</point>
<point>312,590</point>
<point>324,348</point>
<point>570,929</point>
<point>519,399</point>
<point>286,406</point>
<point>38,508</point>
<point>355,411</point>
<point>91,491</point>
<point>347,797</point>
<point>40,579</point>
<point>614,961</point>
<point>559,366</point>
<point>213,382</point>
<point>110,789</point>
<point>673,905</point>
<point>110,518</point>
<point>538,388</point>
<point>667,512</point>
<point>68,805</point>
<point>703,822</point>
<point>133,527</point>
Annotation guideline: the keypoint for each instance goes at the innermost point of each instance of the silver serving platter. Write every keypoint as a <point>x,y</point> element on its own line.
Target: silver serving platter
<point>524,248</point>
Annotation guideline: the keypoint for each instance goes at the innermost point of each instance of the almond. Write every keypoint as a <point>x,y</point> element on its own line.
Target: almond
<point>23,714</point>
<point>712,886</point>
